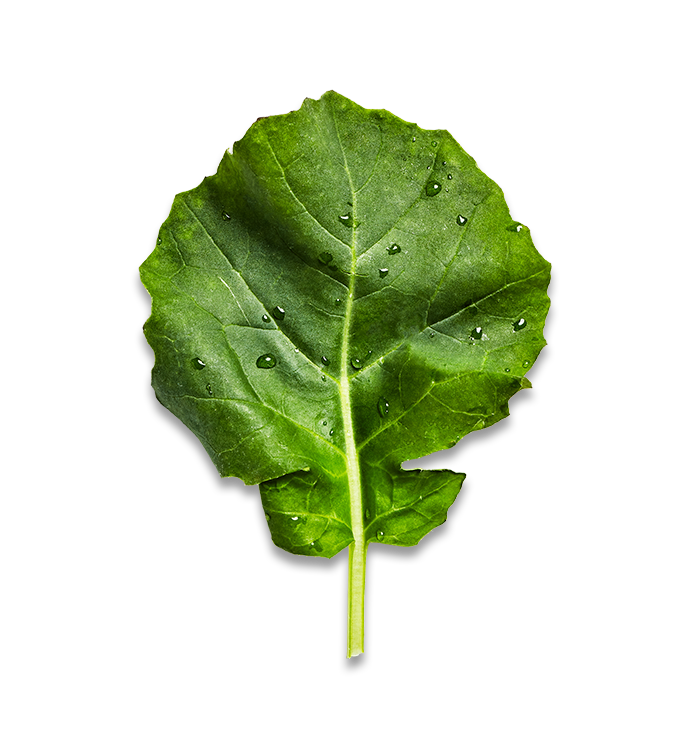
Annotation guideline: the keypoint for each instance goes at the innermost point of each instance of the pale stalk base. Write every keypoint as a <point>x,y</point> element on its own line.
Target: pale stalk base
<point>355,599</point>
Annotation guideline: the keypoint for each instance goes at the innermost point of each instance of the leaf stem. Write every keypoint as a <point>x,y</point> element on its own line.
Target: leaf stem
<point>355,598</point>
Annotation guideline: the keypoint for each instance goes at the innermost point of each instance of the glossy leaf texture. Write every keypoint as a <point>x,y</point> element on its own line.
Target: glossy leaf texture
<point>348,292</point>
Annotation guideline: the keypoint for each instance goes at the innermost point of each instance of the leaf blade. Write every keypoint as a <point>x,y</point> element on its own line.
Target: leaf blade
<point>378,358</point>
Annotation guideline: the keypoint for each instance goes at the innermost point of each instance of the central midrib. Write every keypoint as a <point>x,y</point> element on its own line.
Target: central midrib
<point>351,457</point>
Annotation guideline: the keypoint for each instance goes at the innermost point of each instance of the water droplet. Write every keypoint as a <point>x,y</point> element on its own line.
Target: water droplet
<point>507,371</point>
<point>316,546</point>
<point>209,388</point>
<point>198,364</point>
<point>297,350</point>
<point>428,168</point>
<point>356,363</point>
<point>414,140</point>
<point>393,249</point>
<point>380,535</point>
<point>383,407</point>
<point>323,377</point>
<point>331,432</point>
<point>476,334</point>
<point>345,220</point>
<point>324,361</point>
<point>383,272</point>
<point>525,364</point>
<point>225,216</point>
<point>461,220</point>
<point>265,318</point>
<point>267,361</point>
<point>443,163</point>
<point>434,143</point>
<point>367,514</point>
<point>325,258</point>
<point>433,188</point>
<point>519,325</point>
<point>338,302</point>
<point>278,312</point>
<point>431,334</point>
<point>449,176</point>
<point>295,518</point>
<point>514,227</point>
<point>267,517</point>
<point>159,240</point>
<point>325,423</point>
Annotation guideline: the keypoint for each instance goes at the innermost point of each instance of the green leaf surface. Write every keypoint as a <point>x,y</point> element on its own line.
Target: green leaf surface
<point>348,292</point>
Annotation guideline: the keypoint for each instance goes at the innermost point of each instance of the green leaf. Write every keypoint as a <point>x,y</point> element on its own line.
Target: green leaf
<point>346,293</point>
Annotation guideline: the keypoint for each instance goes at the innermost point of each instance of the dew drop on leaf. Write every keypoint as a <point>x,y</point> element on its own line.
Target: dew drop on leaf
<point>476,334</point>
<point>414,140</point>
<point>323,377</point>
<point>338,302</point>
<point>278,312</point>
<point>525,364</point>
<point>324,361</point>
<point>325,258</point>
<point>209,389</point>
<point>225,216</point>
<point>345,220</point>
<point>393,249</point>
<point>295,518</point>
<point>267,517</point>
<point>514,227</point>
<point>159,240</point>
<point>383,272</point>
<point>267,361</point>
<point>265,318</point>
<point>449,176</point>
<point>507,371</point>
<point>383,407</point>
<point>380,535</point>
<point>367,514</point>
<point>325,423</point>
<point>433,188</point>
<point>519,325</point>
<point>356,363</point>
<point>434,143</point>
<point>198,364</point>
<point>461,220</point>
<point>331,432</point>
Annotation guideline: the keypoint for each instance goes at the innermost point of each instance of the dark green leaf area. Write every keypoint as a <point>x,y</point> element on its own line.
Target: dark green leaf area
<point>317,199</point>
<point>308,513</point>
<point>402,506</point>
